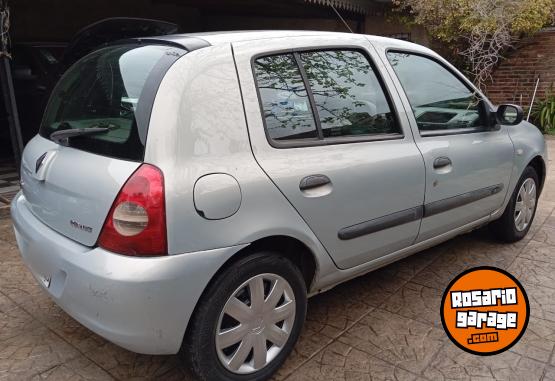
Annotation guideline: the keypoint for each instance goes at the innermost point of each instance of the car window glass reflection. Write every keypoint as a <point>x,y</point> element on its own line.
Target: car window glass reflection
<point>348,96</point>
<point>284,98</point>
<point>439,100</point>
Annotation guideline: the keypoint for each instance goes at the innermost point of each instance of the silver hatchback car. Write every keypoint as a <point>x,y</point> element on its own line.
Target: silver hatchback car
<point>191,191</point>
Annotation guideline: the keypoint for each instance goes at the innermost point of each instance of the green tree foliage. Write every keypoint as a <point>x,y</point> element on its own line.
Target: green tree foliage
<point>543,111</point>
<point>479,30</point>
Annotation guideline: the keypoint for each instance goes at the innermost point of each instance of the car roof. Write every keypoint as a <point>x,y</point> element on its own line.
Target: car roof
<point>228,37</point>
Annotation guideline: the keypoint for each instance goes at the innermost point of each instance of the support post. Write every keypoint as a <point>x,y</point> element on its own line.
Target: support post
<point>6,81</point>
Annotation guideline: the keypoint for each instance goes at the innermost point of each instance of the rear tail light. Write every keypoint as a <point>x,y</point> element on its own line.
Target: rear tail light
<point>136,224</point>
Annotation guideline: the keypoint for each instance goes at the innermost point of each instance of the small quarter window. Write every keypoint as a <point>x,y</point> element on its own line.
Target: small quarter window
<point>349,98</point>
<point>284,97</point>
<point>440,101</point>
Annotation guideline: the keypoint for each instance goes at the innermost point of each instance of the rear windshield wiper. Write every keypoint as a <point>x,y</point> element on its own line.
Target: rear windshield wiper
<point>61,137</point>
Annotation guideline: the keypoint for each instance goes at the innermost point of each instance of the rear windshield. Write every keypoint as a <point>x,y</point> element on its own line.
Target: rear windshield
<point>115,88</point>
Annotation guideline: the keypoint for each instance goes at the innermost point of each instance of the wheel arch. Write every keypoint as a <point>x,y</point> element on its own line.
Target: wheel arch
<point>538,164</point>
<point>292,248</point>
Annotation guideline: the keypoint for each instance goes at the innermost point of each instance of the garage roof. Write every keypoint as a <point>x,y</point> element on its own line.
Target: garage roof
<point>357,6</point>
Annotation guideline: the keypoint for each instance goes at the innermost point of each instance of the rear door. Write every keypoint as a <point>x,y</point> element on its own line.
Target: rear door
<point>326,130</point>
<point>468,162</point>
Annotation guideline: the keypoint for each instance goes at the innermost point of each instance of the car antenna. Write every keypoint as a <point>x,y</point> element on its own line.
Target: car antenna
<point>341,18</point>
<point>533,98</point>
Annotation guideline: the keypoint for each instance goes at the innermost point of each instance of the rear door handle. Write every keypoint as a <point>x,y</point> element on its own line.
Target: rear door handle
<point>441,162</point>
<point>314,181</point>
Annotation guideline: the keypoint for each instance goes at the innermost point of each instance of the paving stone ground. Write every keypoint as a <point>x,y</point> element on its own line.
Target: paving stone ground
<point>382,326</point>
<point>9,185</point>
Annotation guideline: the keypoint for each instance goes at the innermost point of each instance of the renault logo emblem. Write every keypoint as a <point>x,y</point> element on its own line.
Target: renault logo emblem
<point>40,161</point>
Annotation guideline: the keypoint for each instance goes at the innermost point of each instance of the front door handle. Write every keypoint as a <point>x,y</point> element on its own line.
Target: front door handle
<point>442,162</point>
<point>314,181</point>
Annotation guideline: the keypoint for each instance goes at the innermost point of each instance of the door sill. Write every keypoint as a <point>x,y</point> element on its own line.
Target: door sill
<point>339,276</point>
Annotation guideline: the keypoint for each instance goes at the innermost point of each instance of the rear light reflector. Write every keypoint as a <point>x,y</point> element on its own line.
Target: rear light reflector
<point>130,219</point>
<point>136,224</point>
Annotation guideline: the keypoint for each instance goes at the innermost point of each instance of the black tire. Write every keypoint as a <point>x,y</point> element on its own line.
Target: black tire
<point>199,344</point>
<point>505,228</point>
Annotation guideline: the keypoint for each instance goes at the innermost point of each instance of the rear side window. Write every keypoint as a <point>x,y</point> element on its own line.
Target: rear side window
<point>284,99</point>
<point>348,96</point>
<point>439,99</point>
<point>113,87</point>
<point>323,95</point>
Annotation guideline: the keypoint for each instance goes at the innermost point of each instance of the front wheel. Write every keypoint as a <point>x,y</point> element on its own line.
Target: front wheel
<point>519,214</point>
<point>248,321</point>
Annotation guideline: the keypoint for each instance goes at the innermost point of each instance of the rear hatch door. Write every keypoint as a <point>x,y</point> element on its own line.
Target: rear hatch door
<point>72,190</point>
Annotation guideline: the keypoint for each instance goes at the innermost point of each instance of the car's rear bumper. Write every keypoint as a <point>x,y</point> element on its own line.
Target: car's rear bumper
<point>141,304</point>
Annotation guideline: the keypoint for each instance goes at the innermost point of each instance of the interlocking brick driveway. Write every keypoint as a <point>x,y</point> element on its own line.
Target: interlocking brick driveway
<point>384,325</point>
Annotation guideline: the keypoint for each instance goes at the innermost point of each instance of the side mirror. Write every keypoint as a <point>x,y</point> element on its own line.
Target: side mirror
<point>509,115</point>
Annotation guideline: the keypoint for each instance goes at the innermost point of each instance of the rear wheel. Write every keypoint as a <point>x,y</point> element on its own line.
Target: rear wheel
<point>517,219</point>
<point>248,320</point>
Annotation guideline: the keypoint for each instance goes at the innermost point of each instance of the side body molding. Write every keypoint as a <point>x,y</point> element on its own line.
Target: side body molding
<point>381,223</point>
<point>415,214</point>
<point>441,206</point>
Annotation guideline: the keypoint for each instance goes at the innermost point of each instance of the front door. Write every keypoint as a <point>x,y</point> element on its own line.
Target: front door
<point>326,131</point>
<point>468,163</point>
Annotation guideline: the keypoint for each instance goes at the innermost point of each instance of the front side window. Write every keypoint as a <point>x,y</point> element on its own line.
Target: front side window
<point>323,95</point>
<point>440,101</point>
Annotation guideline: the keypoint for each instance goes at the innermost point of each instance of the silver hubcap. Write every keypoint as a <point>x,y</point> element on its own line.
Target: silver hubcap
<point>255,323</point>
<point>525,204</point>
